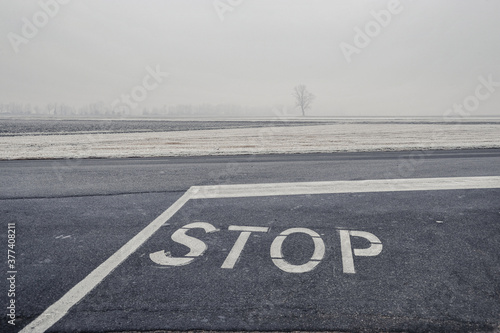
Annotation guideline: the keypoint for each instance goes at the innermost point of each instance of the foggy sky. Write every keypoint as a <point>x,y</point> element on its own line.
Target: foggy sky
<point>426,59</point>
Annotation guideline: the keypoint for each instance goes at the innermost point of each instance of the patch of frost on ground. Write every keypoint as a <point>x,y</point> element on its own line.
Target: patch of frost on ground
<point>267,140</point>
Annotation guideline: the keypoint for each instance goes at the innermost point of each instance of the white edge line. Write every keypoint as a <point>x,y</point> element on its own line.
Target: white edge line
<point>59,309</point>
<point>347,186</point>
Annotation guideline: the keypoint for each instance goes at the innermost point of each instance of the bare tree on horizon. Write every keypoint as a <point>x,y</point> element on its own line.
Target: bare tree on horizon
<point>303,98</point>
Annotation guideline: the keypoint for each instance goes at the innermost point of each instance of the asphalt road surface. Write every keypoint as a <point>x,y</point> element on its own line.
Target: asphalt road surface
<point>383,241</point>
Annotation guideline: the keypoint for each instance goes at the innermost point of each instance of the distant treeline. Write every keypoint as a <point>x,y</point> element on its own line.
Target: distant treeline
<point>182,110</point>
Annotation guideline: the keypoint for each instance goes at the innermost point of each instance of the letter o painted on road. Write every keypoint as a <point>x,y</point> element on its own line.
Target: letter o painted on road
<point>277,255</point>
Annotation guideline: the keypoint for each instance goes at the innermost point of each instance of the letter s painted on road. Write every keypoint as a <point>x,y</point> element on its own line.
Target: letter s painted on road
<point>196,246</point>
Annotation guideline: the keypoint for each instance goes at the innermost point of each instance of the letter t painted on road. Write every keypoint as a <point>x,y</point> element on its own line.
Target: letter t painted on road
<point>238,246</point>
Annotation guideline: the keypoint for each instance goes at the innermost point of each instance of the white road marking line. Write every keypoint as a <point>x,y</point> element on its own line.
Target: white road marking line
<point>57,310</point>
<point>348,186</point>
<point>63,237</point>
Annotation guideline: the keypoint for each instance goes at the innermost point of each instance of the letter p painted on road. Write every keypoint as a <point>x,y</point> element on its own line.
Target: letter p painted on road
<point>348,252</point>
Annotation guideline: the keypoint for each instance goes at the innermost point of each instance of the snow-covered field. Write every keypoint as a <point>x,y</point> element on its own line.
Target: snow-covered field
<point>267,140</point>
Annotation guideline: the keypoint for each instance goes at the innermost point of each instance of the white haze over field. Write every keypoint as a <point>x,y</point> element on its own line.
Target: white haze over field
<point>422,58</point>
